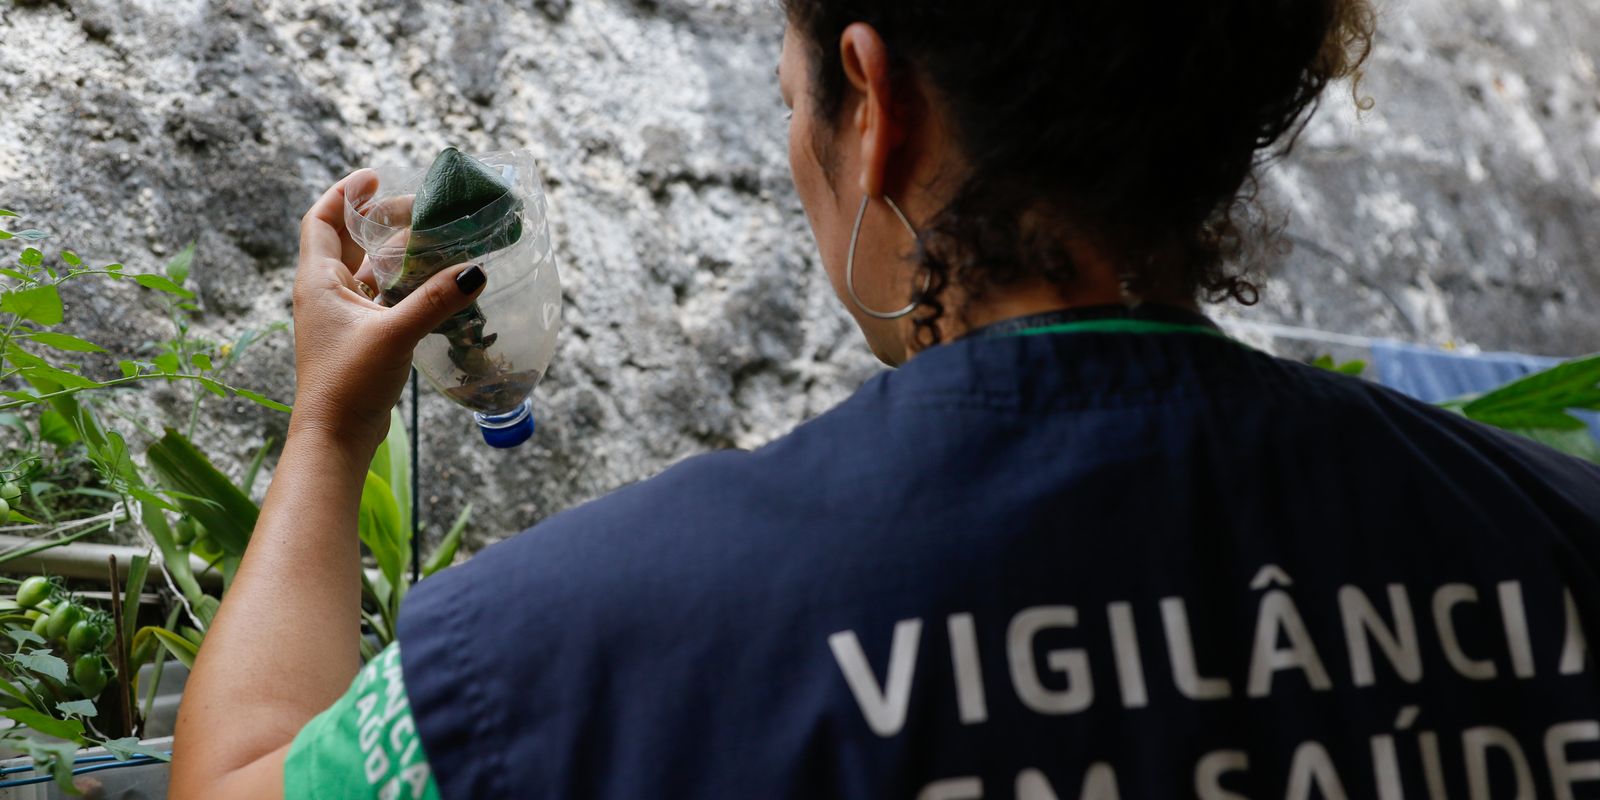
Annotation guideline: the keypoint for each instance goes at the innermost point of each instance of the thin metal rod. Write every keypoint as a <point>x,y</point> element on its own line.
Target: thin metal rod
<point>416,502</point>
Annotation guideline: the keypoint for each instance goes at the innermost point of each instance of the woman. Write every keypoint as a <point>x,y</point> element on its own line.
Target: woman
<point>1081,544</point>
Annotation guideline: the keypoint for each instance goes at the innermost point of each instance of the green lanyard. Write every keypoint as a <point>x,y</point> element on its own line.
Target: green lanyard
<point>1121,326</point>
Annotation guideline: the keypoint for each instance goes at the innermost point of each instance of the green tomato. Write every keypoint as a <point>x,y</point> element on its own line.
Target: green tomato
<point>34,591</point>
<point>63,618</point>
<point>41,624</point>
<point>10,491</point>
<point>5,511</point>
<point>85,637</point>
<point>91,675</point>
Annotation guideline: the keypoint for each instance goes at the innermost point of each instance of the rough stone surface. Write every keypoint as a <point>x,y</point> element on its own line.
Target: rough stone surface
<point>1464,208</point>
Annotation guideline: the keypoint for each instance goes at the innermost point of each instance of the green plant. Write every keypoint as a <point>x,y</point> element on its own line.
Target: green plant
<point>1353,368</point>
<point>41,693</point>
<point>1540,406</point>
<point>65,466</point>
<point>1537,406</point>
<point>385,527</point>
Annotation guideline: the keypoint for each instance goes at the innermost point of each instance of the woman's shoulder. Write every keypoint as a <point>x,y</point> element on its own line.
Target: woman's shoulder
<point>707,508</point>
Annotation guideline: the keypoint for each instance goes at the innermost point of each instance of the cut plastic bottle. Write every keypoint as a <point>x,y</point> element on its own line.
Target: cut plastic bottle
<point>488,210</point>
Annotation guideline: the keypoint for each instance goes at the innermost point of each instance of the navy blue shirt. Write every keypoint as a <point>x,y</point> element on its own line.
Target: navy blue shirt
<point>1058,566</point>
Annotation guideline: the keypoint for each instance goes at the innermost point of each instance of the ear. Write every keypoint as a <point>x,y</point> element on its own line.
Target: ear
<point>866,66</point>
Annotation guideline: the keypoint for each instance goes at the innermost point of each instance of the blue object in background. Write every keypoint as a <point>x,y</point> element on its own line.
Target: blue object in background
<point>1434,376</point>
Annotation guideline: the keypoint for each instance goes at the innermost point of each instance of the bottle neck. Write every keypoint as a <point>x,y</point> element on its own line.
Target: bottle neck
<point>508,430</point>
<point>508,419</point>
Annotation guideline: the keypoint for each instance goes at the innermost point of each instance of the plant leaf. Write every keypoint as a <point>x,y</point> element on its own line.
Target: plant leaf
<point>162,284</point>
<point>1520,419</point>
<point>445,554</point>
<point>55,429</point>
<point>71,258</point>
<point>24,636</point>
<point>31,257</point>
<point>5,213</point>
<point>263,400</point>
<point>41,304</point>
<point>212,387</point>
<point>71,730</point>
<point>231,353</point>
<point>379,527</point>
<point>392,463</point>
<point>1580,443</point>
<point>207,606</point>
<point>128,747</point>
<point>78,708</point>
<point>228,515</point>
<point>15,691</point>
<point>138,568</point>
<point>180,648</point>
<point>155,501</point>
<point>1541,400</point>
<point>248,484</point>
<point>41,661</point>
<point>178,268</point>
<point>61,341</point>
<point>32,235</point>
<point>54,758</point>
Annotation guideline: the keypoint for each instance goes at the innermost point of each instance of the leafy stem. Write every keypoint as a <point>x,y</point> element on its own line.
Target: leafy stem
<point>148,376</point>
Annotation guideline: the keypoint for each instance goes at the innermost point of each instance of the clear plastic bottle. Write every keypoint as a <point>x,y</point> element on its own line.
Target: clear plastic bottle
<point>490,357</point>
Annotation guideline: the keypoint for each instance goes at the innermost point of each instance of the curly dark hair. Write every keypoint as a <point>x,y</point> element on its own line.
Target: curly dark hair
<point>1133,125</point>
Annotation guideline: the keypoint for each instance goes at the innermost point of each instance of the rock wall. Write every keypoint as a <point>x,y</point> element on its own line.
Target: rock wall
<point>1464,207</point>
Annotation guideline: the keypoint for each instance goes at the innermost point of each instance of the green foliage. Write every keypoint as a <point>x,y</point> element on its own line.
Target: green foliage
<point>80,475</point>
<point>380,529</point>
<point>1538,406</point>
<point>1353,368</point>
<point>385,528</point>
<point>62,464</point>
<point>445,554</point>
<point>203,492</point>
<point>183,649</point>
<point>40,693</point>
<point>1542,401</point>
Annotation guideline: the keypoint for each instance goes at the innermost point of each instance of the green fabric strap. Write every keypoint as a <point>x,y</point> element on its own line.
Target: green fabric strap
<point>1122,326</point>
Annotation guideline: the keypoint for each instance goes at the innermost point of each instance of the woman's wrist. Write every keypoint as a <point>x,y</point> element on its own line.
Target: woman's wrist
<point>311,436</point>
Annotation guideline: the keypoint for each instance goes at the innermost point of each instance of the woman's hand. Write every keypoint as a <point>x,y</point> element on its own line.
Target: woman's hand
<point>352,355</point>
<point>282,647</point>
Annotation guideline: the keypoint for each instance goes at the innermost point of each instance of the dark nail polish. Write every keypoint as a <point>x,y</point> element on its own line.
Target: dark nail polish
<point>471,279</point>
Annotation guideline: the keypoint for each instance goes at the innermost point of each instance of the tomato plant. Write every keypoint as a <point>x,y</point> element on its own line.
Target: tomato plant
<point>65,474</point>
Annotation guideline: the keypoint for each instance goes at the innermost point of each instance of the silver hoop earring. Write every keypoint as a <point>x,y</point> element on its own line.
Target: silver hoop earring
<point>850,262</point>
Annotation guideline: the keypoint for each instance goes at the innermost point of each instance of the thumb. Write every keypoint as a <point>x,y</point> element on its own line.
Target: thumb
<point>445,294</point>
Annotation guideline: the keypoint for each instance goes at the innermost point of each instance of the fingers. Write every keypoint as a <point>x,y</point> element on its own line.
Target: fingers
<point>359,189</point>
<point>427,308</point>
<point>367,280</point>
<point>324,241</point>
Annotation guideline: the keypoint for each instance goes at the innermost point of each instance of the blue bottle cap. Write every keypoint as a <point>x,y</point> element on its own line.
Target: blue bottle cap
<point>506,431</point>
